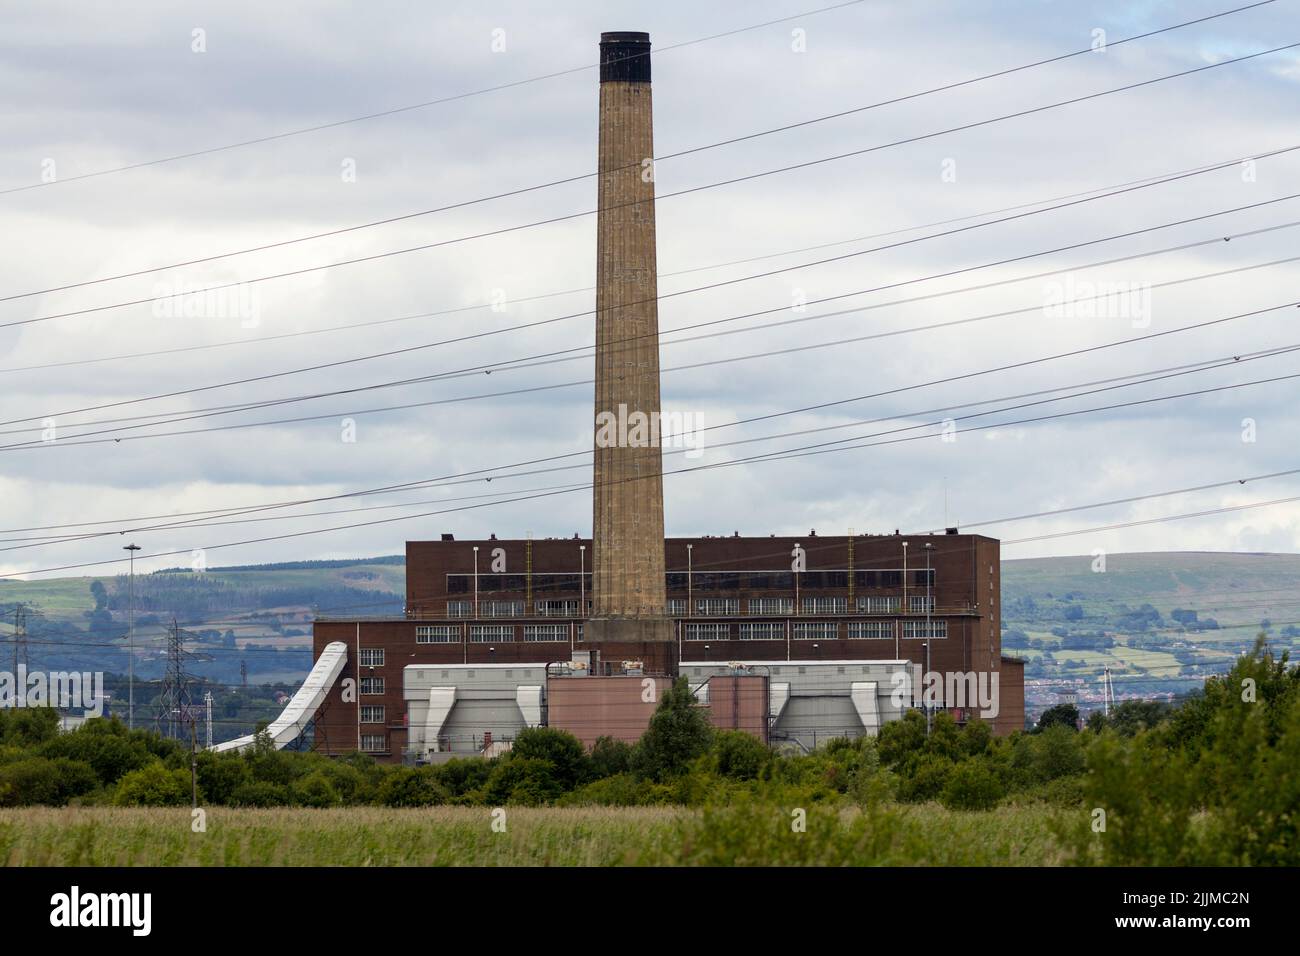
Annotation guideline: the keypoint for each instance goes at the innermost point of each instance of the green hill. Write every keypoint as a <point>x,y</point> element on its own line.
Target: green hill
<point>1160,621</point>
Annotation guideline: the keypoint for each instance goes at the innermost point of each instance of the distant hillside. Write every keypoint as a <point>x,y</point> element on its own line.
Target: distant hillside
<point>1160,621</point>
<point>259,615</point>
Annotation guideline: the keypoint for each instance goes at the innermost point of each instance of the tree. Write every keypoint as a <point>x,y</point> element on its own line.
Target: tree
<point>36,780</point>
<point>739,755</point>
<point>153,786</point>
<point>1066,715</point>
<point>679,732</point>
<point>610,757</point>
<point>972,785</point>
<point>411,787</point>
<point>564,751</point>
<point>529,781</point>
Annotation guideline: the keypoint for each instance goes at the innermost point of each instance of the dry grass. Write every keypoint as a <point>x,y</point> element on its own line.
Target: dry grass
<point>436,836</point>
<point>464,836</point>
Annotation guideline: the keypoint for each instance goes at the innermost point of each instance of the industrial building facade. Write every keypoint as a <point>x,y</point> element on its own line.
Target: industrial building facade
<point>497,623</point>
<point>792,639</point>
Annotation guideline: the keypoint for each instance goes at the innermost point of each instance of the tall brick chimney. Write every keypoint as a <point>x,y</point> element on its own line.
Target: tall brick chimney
<point>629,603</point>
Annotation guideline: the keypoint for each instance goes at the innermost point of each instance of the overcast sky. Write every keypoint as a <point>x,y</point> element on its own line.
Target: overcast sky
<point>88,87</point>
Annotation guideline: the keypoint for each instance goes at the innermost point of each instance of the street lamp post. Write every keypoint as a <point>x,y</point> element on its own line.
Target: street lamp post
<point>689,568</point>
<point>903,608</point>
<point>476,582</point>
<point>131,549</point>
<point>928,632</point>
<point>582,581</point>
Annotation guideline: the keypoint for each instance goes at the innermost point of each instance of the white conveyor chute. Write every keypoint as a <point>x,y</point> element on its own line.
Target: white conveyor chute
<point>298,713</point>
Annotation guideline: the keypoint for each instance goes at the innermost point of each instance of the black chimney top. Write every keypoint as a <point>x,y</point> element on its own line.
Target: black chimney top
<point>625,56</point>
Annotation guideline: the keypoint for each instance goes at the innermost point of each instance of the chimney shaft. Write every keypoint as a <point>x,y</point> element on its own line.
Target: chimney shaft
<point>628,519</point>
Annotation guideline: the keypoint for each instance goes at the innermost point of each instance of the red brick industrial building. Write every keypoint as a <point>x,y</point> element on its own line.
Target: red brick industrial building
<point>824,632</point>
<point>523,602</point>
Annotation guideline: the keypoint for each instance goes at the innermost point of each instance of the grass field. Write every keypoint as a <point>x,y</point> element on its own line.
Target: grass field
<point>464,836</point>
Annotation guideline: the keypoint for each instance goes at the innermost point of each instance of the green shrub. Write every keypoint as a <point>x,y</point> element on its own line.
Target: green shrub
<point>220,775</point>
<point>153,785</point>
<point>462,776</point>
<point>257,793</point>
<point>558,747</point>
<point>923,778</point>
<point>976,737</point>
<point>411,787</point>
<point>610,757</point>
<point>972,785</point>
<point>528,781</point>
<point>105,745</point>
<point>315,790</point>
<point>28,726</point>
<point>39,781</point>
<point>620,790</point>
<point>739,755</point>
<point>899,739</point>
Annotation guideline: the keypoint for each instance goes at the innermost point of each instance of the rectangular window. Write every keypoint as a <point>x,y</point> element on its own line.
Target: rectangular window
<point>825,605</point>
<point>815,630</point>
<point>537,633</point>
<point>374,743</point>
<point>460,608</point>
<point>556,608</point>
<point>372,713</point>
<point>491,633</point>
<point>713,631</point>
<point>677,607</point>
<point>916,603</point>
<point>577,634</point>
<point>502,608</point>
<point>372,657</point>
<point>437,634</point>
<point>762,631</point>
<point>717,606</point>
<point>771,605</point>
<point>372,685</point>
<point>871,630</point>
<point>915,630</point>
<point>879,605</point>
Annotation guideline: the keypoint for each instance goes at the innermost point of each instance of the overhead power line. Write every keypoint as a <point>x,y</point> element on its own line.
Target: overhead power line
<point>498,470</point>
<point>582,352</point>
<point>536,297</point>
<point>715,285</point>
<point>86,438</point>
<point>445,99</point>
<point>796,452</point>
<point>1105,385</point>
<point>591,175</point>
<point>306,270</point>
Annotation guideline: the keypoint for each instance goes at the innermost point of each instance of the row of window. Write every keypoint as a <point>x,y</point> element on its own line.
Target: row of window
<point>489,633</point>
<point>912,629</point>
<point>697,580</point>
<point>812,630</point>
<point>717,607</point>
<point>785,580</point>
